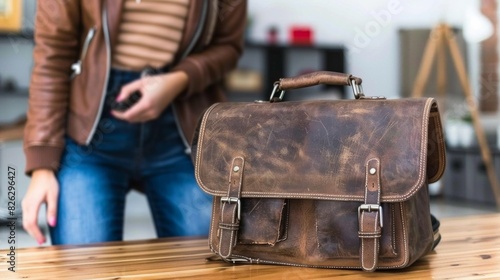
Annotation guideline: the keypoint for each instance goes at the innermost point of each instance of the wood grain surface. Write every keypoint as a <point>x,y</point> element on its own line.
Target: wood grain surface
<point>470,249</point>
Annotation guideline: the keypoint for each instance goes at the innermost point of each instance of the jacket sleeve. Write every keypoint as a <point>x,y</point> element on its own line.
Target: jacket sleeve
<point>221,55</point>
<point>57,26</point>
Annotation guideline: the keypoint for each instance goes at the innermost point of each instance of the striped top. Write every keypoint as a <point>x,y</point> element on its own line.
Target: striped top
<point>150,33</point>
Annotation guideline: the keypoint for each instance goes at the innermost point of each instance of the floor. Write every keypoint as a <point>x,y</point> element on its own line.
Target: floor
<point>138,223</point>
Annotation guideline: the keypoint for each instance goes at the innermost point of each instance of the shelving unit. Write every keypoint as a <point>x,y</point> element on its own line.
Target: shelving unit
<point>276,61</point>
<point>465,178</point>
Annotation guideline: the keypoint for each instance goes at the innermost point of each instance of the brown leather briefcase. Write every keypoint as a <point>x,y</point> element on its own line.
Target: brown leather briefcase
<point>333,184</point>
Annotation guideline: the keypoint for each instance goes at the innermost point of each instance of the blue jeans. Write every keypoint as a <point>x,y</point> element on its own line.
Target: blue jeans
<point>95,179</point>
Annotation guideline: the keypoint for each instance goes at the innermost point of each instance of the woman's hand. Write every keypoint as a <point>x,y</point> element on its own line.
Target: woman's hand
<point>43,188</point>
<point>157,93</point>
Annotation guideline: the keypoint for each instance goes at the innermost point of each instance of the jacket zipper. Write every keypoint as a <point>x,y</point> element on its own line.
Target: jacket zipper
<point>108,66</point>
<point>188,50</point>
<point>77,66</point>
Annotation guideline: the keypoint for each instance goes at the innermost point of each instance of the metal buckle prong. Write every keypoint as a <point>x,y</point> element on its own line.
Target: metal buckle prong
<point>231,200</point>
<point>370,208</point>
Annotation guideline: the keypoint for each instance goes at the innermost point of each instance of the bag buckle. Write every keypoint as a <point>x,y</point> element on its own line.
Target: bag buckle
<point>370,208</point>
<point>231,200</point>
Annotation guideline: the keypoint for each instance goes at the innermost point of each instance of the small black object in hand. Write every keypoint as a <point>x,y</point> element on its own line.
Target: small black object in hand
<point>126,104</point>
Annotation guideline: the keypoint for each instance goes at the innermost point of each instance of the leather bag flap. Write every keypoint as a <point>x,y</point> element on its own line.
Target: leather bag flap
<point>318,149</point>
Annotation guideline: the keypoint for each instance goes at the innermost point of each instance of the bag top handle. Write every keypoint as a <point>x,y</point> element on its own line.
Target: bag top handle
<point>317,78</point>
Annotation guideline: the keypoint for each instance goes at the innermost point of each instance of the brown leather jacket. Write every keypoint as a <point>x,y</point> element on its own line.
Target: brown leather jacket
<point>82,33</point>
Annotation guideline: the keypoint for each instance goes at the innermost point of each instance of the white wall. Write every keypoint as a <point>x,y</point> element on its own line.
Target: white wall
<point>368,29</point>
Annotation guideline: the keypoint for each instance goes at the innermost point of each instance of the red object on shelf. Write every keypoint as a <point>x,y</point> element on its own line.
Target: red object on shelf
<point>301,35</point>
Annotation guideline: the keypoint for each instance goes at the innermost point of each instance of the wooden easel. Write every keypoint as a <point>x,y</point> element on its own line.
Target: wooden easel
<point>441,36</point>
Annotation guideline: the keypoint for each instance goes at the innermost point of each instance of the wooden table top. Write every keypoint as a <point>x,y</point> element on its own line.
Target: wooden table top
<point>470,249</point>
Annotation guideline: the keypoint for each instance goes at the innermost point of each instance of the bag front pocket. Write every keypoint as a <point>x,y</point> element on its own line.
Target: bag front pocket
<point>263,221</point>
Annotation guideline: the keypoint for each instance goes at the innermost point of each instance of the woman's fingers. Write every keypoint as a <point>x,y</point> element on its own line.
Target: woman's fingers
<point>31,205</point>
<point>52,196</point>
<point>43,188</point>
<point>128,89</point>
<point>157,93</point>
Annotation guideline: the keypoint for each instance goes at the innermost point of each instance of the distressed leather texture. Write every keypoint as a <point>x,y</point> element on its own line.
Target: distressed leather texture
<point>309,166</point>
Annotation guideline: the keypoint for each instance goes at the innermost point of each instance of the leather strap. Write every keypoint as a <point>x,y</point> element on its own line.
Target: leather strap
<point>316,78</point>
<point>370,217</point>
<point>229,222</point>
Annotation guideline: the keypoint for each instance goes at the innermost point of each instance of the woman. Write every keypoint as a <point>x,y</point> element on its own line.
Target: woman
<point>84,149</point>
